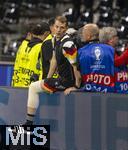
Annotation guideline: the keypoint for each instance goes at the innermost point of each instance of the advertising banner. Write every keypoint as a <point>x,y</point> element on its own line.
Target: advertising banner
<point>79,121</point>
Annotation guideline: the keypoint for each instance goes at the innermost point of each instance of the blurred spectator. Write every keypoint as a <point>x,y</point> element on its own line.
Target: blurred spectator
<point>109,36</point>
<point>33,56</point>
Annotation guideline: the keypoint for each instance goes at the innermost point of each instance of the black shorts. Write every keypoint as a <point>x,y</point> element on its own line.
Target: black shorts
<point>52,85</point>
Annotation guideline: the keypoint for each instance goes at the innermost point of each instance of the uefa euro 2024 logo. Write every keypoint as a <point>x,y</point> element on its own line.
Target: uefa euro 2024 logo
<point>97,53</point>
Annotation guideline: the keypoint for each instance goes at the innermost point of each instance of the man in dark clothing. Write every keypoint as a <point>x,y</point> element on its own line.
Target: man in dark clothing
<point>64,57</point>
<point>109,36</point>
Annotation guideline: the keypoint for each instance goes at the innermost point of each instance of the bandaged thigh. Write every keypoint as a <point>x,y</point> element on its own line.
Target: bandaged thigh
<point>33,94</point>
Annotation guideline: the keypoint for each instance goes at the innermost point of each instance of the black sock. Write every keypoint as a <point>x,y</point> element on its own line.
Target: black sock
<point>28,122</point>
<point>30,118</point>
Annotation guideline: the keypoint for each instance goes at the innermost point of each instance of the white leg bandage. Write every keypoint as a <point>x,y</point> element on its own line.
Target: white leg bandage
<point>33,94</point>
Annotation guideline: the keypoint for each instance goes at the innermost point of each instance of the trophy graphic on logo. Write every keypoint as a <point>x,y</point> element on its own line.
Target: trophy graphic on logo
<point>97,53</point>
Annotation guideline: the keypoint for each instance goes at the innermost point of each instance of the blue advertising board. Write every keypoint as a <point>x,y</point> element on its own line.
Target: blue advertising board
<point>79,121</point>
<point>6,71</point>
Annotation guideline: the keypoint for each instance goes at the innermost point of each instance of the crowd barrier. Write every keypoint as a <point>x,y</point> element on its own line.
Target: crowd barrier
<point>79,121</point>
